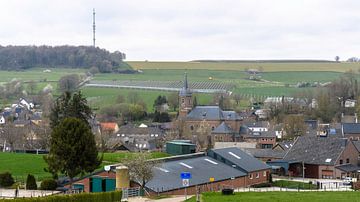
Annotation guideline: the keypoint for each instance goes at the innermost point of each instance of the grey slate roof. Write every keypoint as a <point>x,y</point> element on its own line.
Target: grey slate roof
<point>167,175</point>
<point>316,150</point>
<point>348,167</point>
<point>351,128</point>
<point>223,128</point>
<point>242,160</point>
<point>357,145</point>
<point>206,112</point>
<point>212,113</point>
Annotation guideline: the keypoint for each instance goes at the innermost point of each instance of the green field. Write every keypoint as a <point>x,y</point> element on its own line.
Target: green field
<point>20,164</point>
<point>267,66</point>
<point>100,97</point>
<point>281,196</point>
<point>276,78</point>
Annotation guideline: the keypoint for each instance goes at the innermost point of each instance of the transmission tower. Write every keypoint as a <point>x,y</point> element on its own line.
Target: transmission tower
<point>94,27</point>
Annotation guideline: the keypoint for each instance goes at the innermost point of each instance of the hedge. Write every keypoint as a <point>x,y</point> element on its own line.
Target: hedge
<point>83,197</point>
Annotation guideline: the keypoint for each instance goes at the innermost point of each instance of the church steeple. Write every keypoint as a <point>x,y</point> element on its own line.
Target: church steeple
<point>185,98</point>
<point>185,91</point>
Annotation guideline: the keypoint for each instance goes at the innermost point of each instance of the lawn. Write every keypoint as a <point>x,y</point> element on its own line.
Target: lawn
<point>20,164</point>
<point>100,97</point>
<point>266,66</point>
<point>37,74</point>
<point>293,184</point>
<point>281,196</point>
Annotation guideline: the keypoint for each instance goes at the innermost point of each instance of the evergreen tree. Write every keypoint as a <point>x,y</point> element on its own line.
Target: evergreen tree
<point>221,102</point>
<point>72,149</point>
<point>70,105</point>
<point>31,182</point>
<point>195,103</point>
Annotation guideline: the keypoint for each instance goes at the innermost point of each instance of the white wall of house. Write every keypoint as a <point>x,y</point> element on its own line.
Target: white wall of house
<point>2,120</point>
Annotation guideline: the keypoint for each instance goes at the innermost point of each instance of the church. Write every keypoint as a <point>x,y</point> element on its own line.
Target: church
<point>206,124</point>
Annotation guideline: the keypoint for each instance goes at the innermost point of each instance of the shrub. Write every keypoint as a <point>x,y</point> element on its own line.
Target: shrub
<point>31,182</point>
<point>48,184</point>
<point>83,197</point>
<point>265,184</point>
<point>6,180</point>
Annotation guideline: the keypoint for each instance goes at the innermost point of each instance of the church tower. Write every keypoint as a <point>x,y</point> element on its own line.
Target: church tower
<point>185,99</point>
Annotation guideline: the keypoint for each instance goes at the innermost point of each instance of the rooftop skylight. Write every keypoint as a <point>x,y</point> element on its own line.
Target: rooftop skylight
<point>234,155</point>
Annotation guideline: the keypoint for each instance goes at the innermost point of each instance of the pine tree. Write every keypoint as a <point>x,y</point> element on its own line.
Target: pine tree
<point>70,105</point>
<point>31,182</point>
<point>72,149</point>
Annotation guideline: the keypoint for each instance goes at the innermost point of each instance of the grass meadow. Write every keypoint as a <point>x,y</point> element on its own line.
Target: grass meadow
<point>281,196</point>
<point>240,66</point>
<point>21,164</point>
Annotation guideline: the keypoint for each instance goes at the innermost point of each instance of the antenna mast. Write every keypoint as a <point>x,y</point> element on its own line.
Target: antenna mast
<point>94,27</point>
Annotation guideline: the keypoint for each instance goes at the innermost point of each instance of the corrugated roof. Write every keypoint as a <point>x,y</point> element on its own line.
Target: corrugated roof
<point>167,175</point>
<point>241,159</point>
<point>316,150</point>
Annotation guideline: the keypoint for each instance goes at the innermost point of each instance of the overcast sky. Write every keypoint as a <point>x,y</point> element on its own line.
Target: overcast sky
<point>190,29</point>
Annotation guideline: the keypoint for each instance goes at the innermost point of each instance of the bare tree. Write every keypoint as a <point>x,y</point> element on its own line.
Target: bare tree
<point>133,97</point>
<point>294,126</point>
<point>140,168</point>
<point>13,135</point>
<point>173,100</point>
<point>69,83</point>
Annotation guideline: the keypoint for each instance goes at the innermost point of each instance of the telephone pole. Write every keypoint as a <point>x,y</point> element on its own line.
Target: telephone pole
<point>94,27</point>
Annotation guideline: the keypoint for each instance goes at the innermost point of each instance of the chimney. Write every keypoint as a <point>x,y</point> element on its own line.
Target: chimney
<point>356,118</point>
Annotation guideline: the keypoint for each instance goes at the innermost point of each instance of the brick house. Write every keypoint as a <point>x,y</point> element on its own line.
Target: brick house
<point>322,157</point>
<point>351,130</point>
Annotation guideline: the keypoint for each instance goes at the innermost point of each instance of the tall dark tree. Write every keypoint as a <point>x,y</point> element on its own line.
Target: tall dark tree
<point>70,105</point>
<point>31,182</point>
<point>195,102</point>
<point>72,149</point>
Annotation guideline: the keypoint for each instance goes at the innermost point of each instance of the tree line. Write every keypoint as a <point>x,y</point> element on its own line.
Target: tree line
<point>26,57</point>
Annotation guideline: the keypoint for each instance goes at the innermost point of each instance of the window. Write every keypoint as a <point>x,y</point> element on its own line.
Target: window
<point>251,176</point>
<point>341,161</point>
<point>264,173</point>
<point>182,100</point>
<point>212,128</point>
<point>257,175</point>
<point>191,127</point>
<point>347,160</point>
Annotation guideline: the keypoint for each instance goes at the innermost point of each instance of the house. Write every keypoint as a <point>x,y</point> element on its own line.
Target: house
<point>351,131</point>
<point>257,126</point>
<point>109,127</point>
<point>350,103</point>
<point>224,133</point>
<point>2,119</point>
<point>283,145</point>
<point>26,103</point>
<point>264,139</point>
<point>142,138</point>
<point>321,157</point>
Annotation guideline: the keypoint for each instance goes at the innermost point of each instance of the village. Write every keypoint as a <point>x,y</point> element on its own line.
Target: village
<point>213,148</point>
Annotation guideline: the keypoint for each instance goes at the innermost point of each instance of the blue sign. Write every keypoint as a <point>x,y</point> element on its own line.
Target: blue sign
<point>185,175</point>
